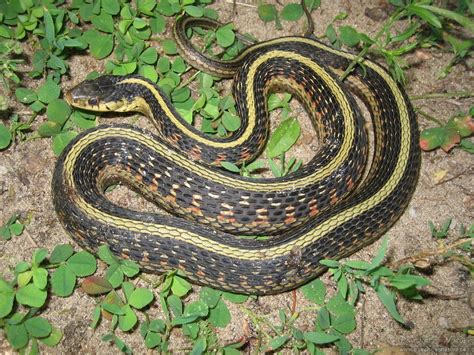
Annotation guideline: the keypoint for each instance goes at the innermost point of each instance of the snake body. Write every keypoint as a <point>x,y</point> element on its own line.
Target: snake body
<point>330,208</point>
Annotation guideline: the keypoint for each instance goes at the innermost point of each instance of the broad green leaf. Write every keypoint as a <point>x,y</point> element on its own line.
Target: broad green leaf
<point>225,35</point>
<point>267,12</point>
<point>140,298</point>
<point>40,277</point>
<point>210,296</point>
<point>377,260</point>
<point>349,36</point>
<point>63,281</point>
<point>169,47</point>
<point>61,253</point>
<point>128,320</point>
<point>58,111</point>
<point>315,291</point>
<point>60,141</point>
<point>25,96</point>
<point>49,91</point>
<point>152,340</point>
<point>38,327</point>
<point>49,129</point>
<point>149,56</point>
<point>230,166</point>
<point>320,337</point>
<point>7,296</point>
<point>5,136</point>
<point>180,286</point>
<point>194,11</point>
<point>199,347</point>
<point>292,12</point>
<point>53,338</point>
<point>283,138</point>
<point>220,315</point>
<point>103,22</point>
<point>32,296</point>
<point>100,45</point>
<point>17,335</point>
<point>82,264</point>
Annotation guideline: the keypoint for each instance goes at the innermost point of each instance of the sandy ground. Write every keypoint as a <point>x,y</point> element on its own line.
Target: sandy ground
<point>25,176</point>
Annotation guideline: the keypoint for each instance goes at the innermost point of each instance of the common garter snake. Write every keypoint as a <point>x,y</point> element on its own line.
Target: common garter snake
<point>330,208</point>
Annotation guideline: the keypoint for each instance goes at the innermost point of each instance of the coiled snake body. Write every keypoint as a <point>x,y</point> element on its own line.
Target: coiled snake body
<point>330,208</point>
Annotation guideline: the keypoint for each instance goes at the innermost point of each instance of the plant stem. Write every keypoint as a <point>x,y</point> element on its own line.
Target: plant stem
<point>443,95</point>
<point>429,117</point>
<point>360,57</point>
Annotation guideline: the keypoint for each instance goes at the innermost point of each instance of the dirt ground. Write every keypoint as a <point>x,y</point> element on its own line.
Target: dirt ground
<point>25,177</point>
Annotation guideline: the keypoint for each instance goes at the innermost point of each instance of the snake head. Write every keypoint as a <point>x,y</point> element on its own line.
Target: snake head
<point>105,93</point>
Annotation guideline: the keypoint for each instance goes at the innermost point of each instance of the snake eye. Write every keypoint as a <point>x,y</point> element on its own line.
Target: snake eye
<point>93,101</point>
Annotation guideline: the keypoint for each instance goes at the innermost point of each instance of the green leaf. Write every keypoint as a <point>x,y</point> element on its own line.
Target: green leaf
<point>112,7</point>
<point>292,12</point>
<point>63,281</point>
<point>5,136</point>
<point>152,340</point>
<point>82,264</point>
<point>210,296</point>
<point>32,296</point>
<point>199,347</point>
<point>100,45</point>
<point>129,268</point>
<point>106,255</point>
<point>169,47</point>
<point>194,11</point>
<point>267,12</point>
<point>61,253</point>
<point>58,111</point>
<point>285,135</point>
<point>7,296</point>
<point>230,121</point>
<point>49,91</point>
<point>40,277</point>
<point>17,228</point>
<point>103,22</point>
<point>349,36</point>
<point>114,275</point>
<point>17,335</point>
<point>403,282</point>
<point>220,315</point>
<point>342,314</point>
<point>61,140</point>
<point>230,166</point>
<point>315,291</point>
<point>278,342</point>
<point>175,304</point>
<point>49,129</point>
<point>25,96</point>
<point>140,298</point>
<point>128,320</point>
<point>38,327</point>
<point>330,263</point>
<point>235,297</point>
<point>225,35</point>
<point>53,338</point>
<point>320,338</point>
<point>149,56</point>
<point>180,286</point>
<point>388,300</point>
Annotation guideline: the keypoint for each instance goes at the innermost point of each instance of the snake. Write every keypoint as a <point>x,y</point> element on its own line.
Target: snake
<point>343,199</point>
